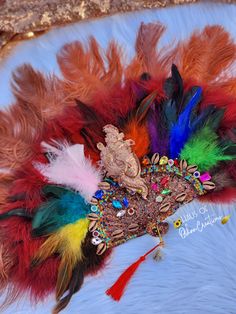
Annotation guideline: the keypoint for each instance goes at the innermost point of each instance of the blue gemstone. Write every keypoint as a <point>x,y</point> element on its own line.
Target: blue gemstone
<point>116,204</point>
<point>99,194</point>
<point>125,202</point>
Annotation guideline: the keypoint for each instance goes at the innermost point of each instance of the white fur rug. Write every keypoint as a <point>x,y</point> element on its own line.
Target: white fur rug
<point>198,270</point>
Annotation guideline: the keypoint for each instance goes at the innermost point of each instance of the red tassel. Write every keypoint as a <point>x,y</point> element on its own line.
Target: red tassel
<point>118,288</point>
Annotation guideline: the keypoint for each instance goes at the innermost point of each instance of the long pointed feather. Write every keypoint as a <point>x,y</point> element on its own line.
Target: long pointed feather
<point>144,107</point>
<point>181,131</point>
<point>20,212</point>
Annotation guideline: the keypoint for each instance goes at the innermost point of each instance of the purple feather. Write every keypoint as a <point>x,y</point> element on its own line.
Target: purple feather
<point>159,138</point>
<point>138,90</point>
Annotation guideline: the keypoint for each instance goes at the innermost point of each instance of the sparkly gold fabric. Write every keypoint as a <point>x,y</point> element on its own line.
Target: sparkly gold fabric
<point>28,18</point>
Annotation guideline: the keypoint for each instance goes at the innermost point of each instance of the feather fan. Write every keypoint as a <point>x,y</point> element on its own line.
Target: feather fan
<point>44,241</point>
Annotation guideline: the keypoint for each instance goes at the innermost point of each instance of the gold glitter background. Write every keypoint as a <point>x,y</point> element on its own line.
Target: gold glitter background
<point>25,19</point>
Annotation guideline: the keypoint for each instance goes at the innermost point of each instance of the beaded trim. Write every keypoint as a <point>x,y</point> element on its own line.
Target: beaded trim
<point>118,215</point>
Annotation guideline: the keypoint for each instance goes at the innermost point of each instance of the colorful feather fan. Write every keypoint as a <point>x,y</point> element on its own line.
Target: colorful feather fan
<point>108,152</point>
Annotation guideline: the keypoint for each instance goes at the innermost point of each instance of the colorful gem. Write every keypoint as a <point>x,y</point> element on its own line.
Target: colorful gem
<point>187,177</point>
<point>205,177</point>
<point>125,202</point>
<point>164,180</point>
<point>94,208</point>
<point>95,234</point>
<point>176,163</point>
<point>196,174</point>
<point>166,192</point>
<point>99,194</point>
<point>170,162</point>
<point>131,211</point>
<point>154,186</point>
<point>116,204</point>
<point>163,160</point>
<point>121,213</point>
<point>146,161</point>
<point>159,199</point>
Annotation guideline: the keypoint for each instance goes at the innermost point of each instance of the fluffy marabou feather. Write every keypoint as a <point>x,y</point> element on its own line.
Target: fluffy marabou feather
<point>6,263</point>
<point>67,243</point>
<point>42,94</point>
<point>58,212</point>
<point>17,238</point>
<point>25,192</point>
<point>70,168</point>
<point>86,72</point>
<point>207,54</point>
<point>204,150</point>
<point>38,99</point>
<point>147,58</point>
<point>181,130</point>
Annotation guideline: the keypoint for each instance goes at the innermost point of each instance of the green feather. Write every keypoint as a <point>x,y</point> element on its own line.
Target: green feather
<point>203,149</point>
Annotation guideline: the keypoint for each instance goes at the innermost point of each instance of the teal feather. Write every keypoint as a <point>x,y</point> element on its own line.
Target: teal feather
<point>55,190</point>
<point>56,213</point>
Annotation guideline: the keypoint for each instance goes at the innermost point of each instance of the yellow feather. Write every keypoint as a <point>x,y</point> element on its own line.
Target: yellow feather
<point>72,236</point>
<point>67,241</point>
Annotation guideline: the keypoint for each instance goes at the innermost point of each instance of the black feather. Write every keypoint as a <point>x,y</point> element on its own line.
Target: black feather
<point>19,212</point>
<point>90,263</point>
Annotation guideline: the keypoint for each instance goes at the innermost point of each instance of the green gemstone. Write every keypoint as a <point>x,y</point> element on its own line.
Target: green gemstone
<point>166,192</point>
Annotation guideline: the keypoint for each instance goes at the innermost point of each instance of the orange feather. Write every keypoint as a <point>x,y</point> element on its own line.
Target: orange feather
<point>207,55</point>
<point>139,134</point>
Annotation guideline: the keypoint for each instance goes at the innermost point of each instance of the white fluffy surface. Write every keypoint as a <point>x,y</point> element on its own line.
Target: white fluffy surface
<point>197,274</point>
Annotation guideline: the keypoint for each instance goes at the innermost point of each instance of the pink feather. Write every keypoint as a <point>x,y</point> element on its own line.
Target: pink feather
<point>69,166</point>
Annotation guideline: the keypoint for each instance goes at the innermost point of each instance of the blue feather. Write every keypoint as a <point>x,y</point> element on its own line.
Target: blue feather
<point>182,130</point>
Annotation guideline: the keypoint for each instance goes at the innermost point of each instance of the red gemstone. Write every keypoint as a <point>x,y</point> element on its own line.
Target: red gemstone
<point>165,180</point>
<point>176,163</point>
